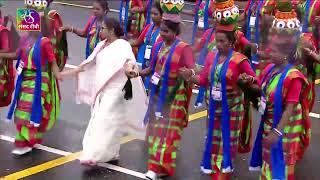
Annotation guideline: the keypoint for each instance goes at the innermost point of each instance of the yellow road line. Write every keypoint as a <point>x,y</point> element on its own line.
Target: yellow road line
<point>74,156</point>
<point>43,167</point>
<point>127,139</point>
<point>54,163</point>
<point>197,115</point>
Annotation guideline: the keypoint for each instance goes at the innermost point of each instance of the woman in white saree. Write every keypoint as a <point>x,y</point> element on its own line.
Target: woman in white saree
<point>100,83</point>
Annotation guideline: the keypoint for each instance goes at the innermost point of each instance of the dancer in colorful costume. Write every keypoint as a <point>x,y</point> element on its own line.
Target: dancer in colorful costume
<point>309,13</point>
<point>227,14</point>
<point>149,36</point>
<point>257,18</point>
<point>7,73</point>
<point>284,131</point>
<point>308,63</point>
<point>226,111</point>
<point>36,89</point>
<point>132,18</point>
<point>147,10</point>
<point>92,30</point>
<point>207,42</point>
<point>170,95</point>
<point>58,38</point>
<point>202,12</point>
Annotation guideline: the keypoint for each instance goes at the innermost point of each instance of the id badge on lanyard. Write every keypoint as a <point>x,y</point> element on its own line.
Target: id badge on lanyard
<point>201,22</point>
<point>300,28</point>
<point>262,105</point>
<point>252,22</point>
<point>155,79</point>
<point>216,93</point>
<point>123,13</point>
<point>20,67</point>
<point>147,52</point>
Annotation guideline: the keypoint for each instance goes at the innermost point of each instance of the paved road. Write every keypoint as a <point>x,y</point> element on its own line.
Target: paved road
<point>68,132</point>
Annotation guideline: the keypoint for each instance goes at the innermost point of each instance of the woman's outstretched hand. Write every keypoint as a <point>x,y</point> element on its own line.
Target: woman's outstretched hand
<point>65,28</point>
<point>72,72</point>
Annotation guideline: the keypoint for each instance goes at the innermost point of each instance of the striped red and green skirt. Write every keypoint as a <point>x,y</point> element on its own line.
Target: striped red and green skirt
<point>6,82</point>
<point>266,172</point>
<point>164,134</point>
<point>28,135</point>
<point>294,136</point>
<point>246,129</point>
<point>236,108</point>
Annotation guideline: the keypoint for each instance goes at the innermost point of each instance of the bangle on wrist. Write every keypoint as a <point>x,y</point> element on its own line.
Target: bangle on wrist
<point>277,132</point>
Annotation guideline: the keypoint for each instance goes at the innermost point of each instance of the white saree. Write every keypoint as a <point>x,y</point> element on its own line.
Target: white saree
<point>112,117</point>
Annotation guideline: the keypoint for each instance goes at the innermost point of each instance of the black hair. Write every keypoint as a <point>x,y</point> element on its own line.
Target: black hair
<point>49,2</point>
<point>104,4</point>
<point>158,7</point>
<point>230,35</point>
<point>173,26</point>
<point>113,23</point>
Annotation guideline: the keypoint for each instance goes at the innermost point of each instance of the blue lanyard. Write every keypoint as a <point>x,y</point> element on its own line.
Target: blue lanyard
<point>36,110</point>
<point>248,32</point>
<point>257,31</point>
<point>151,37</point>
<point>195,24</point>
<point>206,161</point>
<point>125,24</point>
<point>277,157</point>
<point>206,15</point>
<point>201,60</point>
<point>306,17</point>
<point>164,88</point>
<point>150,2</point>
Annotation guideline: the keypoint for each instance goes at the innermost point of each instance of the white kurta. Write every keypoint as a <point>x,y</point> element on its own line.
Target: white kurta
<point>112,117</point>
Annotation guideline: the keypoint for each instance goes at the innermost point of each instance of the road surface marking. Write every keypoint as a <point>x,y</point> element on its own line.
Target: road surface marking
<point>123,170</point>
<point>197,115</point>
<point>314,115</point>
<point>39,146</point>
<point>68,156</point>
<point>42,167</point>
